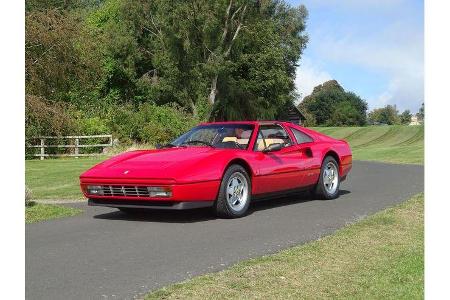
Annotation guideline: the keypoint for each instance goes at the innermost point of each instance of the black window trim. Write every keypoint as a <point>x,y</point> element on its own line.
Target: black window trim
<point>296,142</point>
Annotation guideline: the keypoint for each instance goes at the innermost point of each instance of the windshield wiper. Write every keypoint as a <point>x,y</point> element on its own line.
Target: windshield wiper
<point>169,145</point>
<point>197,142</point>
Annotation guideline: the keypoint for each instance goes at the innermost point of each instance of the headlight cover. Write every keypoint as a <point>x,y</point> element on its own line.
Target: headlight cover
<point>159,191</point>
<point>95,190</point>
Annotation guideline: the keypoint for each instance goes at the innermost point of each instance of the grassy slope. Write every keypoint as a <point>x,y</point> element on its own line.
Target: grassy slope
<point>379,257</point>
<point>397,144</point>
<point>40,212</point>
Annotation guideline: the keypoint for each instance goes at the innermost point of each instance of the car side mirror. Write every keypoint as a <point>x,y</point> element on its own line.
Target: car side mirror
<point>273,147</point>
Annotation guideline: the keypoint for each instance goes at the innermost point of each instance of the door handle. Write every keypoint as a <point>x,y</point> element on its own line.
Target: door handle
<point>307,152</point>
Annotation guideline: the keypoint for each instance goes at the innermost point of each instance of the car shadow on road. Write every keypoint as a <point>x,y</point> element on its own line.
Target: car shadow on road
<point>291,199</point>
<point>205,214</point>
<point>161,216</point>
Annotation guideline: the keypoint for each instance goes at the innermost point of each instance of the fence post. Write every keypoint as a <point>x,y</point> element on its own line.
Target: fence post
<point>77,143</point>
<point>42,148</point>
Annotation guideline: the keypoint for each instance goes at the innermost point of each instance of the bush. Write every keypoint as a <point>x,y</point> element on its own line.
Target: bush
<point>43,117</point>
<point>147,123</point>
<point>93,126</point>
<point>143,123</point>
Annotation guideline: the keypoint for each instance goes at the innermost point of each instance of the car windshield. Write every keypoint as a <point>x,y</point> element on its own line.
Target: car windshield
<point>232,136</point>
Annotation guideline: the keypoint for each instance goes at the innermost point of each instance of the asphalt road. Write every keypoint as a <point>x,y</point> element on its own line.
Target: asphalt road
<point>105,254</point>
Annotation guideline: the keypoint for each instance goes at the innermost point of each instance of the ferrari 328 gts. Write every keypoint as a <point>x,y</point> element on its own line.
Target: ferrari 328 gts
<point>223,165</point>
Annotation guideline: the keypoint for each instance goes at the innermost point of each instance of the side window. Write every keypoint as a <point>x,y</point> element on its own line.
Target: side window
<point>260,143</point>
<point>301,137</point>
<point>271,134</point>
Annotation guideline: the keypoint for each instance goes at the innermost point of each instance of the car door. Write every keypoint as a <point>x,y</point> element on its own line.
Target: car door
<point>278,170</point>
<point>309,157</point>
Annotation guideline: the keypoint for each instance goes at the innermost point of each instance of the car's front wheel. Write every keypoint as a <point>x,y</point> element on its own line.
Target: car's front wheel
<point>329,181</point>
<point>234,194</point>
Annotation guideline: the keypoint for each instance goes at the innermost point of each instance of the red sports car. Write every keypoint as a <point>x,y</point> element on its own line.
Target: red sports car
<point>222,165</point>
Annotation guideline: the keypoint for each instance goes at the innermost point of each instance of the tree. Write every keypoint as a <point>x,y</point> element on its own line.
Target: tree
<point>234,18</point>
<point>421,114</point>
<point>405,117</point>
<point>385,115</point>
<point>310,120</point>
<point>259,80</point>
<point>345,114</point>
<point>54,63</point>
<point>234,59</point>
<point>41,5</point>
<point>331,105</point>
<point>45,118</point>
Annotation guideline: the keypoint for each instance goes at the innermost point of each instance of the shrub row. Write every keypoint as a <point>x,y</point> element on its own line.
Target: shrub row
<point>143,123</point>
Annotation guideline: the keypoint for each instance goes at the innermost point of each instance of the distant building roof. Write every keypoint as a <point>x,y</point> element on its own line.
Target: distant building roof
<point>291,114</point>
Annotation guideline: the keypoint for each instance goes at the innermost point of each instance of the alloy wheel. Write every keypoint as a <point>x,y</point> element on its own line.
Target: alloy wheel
<point>330,177</point>
<point>237,191</point>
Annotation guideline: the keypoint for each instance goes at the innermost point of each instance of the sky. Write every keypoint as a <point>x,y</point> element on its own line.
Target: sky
<point>371,47</point>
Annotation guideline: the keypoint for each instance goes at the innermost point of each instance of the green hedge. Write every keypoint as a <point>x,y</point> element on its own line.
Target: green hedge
<point>143,123</point>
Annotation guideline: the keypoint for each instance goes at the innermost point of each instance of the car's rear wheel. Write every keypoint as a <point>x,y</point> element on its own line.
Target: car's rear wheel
<point>329,181</point>
<point>234,194</point>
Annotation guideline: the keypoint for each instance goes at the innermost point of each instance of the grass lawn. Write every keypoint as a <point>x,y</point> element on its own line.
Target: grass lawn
<point>380,257</point>
<point>57,178</point>
<point>396,144</point>
<point>40,212</point>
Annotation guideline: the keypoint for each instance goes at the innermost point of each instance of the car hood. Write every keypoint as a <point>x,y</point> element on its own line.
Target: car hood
<point>150,164</point>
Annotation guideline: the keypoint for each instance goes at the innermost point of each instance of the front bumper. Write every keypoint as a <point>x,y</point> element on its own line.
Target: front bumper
<point>148,204</point>
<point>184,196</point>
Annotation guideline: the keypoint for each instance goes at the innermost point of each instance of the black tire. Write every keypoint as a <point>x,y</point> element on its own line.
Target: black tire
<point>222,207</point>
<point>321,191</point>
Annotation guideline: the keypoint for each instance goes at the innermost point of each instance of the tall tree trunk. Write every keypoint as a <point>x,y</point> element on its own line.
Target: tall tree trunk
<point>224,48</point>
<point>213,92</point>
<point>194,109</point>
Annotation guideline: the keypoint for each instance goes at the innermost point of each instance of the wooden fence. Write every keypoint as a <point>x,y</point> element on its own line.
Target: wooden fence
<point>76,145</point>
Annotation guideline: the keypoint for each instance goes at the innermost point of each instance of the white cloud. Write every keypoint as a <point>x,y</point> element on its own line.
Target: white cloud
<point>378,44</point>
<point>396,53</point>
<point>405,92</point>
<point>398,49</point>
<point>308,76</point>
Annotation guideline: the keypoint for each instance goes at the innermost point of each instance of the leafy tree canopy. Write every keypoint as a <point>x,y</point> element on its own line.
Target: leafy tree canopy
<point>331,105</point>
<point>405,117</point>
<point>236,59</point>
<point>384,115</point>
<point>421,114</point>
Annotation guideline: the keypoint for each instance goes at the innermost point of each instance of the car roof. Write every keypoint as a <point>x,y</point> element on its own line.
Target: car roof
<point>291,125</point>
<point>246,122</point>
